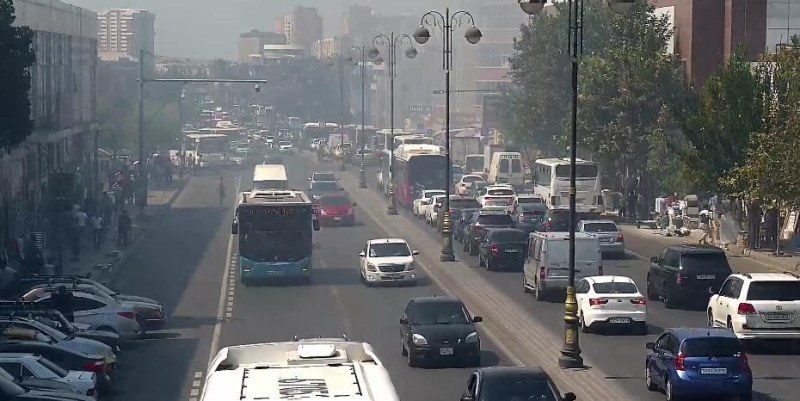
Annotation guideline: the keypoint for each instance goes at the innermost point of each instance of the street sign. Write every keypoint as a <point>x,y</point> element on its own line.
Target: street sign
<point>420,109</point>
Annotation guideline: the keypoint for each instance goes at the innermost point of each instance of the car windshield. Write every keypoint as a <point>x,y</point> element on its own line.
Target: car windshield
<point>532,208</point>
<point>284,143</point>
<point>705,261</point>
<point>529,200</point>
<point>324,177</point>
<point>334,201</point>
<point>600,227</point>
<point>464,203</point>
<point>429,194</point>
<point>620,287</point>
<point>471,178</point>
<point>498,202</point>
<point>495,219</point>
<point>324,186</point>
<point>389,249</point>
<point>58,370</point>
<point>774,291</point>
<point>716,347</point>
<point>501,192</point>
<point>439,313</point>
<point>520,388</point>
<point>50,331</point>
<point>508,237</point>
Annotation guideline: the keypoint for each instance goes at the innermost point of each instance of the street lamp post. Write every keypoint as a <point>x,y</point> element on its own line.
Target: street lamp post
<point>571,350</point>
<point>391,42</point>
<point>447,23</point>
<point>360,53</point>
<point>340,60</point>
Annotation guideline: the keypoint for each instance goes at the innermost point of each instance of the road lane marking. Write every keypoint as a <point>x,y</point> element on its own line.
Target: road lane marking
<point>225,287</point>
<point>194,392</point>
<point>348,328</point>
<point>636,255</point>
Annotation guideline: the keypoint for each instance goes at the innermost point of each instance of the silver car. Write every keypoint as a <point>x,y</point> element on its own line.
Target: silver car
<point>18,328</point>
<point>611,240</point>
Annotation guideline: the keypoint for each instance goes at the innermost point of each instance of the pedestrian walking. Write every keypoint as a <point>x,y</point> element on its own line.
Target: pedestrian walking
<point>98,231</point>
<point>705,225</point>
<point>81,221</point>
<point>62,302</point>
<point>123,228</point>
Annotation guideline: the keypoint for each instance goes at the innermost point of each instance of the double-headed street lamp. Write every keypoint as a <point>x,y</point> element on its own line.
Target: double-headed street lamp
<point>391,42</point>
<point>359,53</point>
<point>340,62</point>
<point>571,351</point>
<point>447,23</point>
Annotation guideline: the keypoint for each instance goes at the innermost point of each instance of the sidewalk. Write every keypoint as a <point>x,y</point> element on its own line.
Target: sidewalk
<point>520,337</point>
<point>101,263</point>
<point>646,242</point>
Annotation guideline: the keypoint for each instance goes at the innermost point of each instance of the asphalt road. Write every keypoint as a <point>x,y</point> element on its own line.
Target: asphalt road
<point>621,356</point>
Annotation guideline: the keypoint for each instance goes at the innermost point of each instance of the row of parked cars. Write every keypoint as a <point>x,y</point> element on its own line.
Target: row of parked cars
<point>45,355</point>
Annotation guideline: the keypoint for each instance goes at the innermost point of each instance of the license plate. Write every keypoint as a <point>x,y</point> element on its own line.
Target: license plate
<point>512,250</point>
<point>706,277</point>
<point>393,276</point>
<point>446,351</point>
<point>777,316</point>
<point>713,371</point>
<point>619,320</point>
<point>337,219</point>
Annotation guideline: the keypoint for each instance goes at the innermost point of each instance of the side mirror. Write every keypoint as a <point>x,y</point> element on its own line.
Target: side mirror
<point>403,321</point>
<point>477,319</point>
<point>362,254</point>
<point>309,178</point>
<point>415,252</point>
<point>570,397</point>
<point>234,228</point>
<point>315,224</point>
<point>712,291</point>
<point>466,397</point>
<point>650,345</point>
<point>654,259</point>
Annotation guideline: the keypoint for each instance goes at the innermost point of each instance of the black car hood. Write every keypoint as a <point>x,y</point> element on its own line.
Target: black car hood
<point>438,332</point>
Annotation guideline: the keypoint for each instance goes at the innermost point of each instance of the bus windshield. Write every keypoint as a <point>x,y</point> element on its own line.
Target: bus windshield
<point>275,233</point>
<point>581,171</point>
<point>427,171</point>
<point>213,145</point>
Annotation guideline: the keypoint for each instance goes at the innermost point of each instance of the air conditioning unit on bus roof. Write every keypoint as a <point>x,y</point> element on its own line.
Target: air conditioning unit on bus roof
<point>272,194</point>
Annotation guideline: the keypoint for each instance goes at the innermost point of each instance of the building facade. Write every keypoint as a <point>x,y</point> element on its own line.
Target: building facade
<point>127,30</point>
<point>302,27</point>
<point>251,44</point>
<point>783,22</point>
<point>57,157</point>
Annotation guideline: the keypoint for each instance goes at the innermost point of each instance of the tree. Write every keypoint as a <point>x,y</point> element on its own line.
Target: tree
<point>16,57</point>
<point>720,126</point>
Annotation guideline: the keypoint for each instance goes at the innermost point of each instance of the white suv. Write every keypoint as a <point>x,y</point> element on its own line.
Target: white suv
<point>758,306</point>
<point>387,260</point>
<point>424,200</point>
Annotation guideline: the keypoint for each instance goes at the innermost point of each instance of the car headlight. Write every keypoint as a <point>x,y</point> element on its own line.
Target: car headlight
<point>411,266</point>
<point>371,268</point>
<point>471,338</point>
<point>419,340</point>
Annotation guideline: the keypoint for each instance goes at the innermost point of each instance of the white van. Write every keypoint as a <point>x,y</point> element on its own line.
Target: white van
<point>307,369</point>
<point>546,270</point>
<point>506,168</point>
<point>270,176</point>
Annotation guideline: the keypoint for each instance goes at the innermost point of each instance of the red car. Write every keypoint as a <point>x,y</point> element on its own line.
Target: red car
<point>337,209</point>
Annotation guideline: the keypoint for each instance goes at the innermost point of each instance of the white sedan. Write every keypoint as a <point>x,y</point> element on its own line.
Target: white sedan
<point>432,209</point>
<point>29,366</point>
<point>99,312</point>
<point>387,260</point>
<point>610,301</point>
<point>424,200</point>
<point>464,185</point>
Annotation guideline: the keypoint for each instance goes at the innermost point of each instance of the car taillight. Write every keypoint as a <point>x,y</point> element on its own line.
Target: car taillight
<point>495,249</point>
<point>620,238</point>
<point>127,315</point>
<point>548,226</point>
<point>745,362</point>
<point>639,301</point>
<point>90,393</point>
<point>350,211</point>
<point>322,212</point>
<point>680,362</point>
<point>597,301</point>
<point>95,366</point>
<point>541,273</point>
<point>678,279</point>
<point>746,309</point>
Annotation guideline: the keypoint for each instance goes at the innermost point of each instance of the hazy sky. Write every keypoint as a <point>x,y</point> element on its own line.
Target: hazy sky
<point>209,28</point>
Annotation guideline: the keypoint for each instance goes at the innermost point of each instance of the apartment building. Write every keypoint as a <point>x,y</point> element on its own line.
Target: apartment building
<point>302,27</point>
<point>251,44</point>
<point>127,30</point>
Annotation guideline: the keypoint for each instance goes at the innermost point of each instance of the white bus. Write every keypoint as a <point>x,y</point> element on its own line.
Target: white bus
<point>270,176</point>
<point>551,182</point>
<point>210,150</point>
<point>308,369</point>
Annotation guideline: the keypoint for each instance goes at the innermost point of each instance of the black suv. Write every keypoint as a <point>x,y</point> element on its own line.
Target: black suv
<point>512,383</point>
<point>686,273</point>
<point>457,203</point>
<point>478,225</point>
<point>439,329</point>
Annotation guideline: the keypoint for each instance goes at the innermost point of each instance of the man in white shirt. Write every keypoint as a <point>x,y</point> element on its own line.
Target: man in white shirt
<point>97,231</point>
<point>81,218</point>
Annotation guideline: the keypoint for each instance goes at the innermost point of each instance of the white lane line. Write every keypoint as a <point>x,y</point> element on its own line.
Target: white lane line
<point>348,328</point>
<point>634,254</point>
<point>225,286</point>
<point>195,390</point>
<point>198,375</point>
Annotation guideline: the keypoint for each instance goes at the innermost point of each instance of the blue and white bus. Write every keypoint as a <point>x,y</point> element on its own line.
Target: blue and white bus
<point>274,229</point>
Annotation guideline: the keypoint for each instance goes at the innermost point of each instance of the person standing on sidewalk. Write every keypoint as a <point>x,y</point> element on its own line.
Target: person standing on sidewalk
<point>81,220</point>
<point>123,227</point>
<point>62,302</point>
<point>98,231</point>
<point>705,225</point>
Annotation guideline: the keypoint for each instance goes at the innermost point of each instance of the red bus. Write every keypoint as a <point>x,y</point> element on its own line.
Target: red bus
<point>418,169</point>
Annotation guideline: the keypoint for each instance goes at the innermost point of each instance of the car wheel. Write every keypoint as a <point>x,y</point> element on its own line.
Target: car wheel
<point>651,293</point>
<point>412,361</point>
<point>669,301</point>
<point>481,263</point>
<point>539,293</point>
<point>489,265</point>
<point>465,248</point>
<point>668,391</point>
<point>641,328</point>
<point>582,324</point>
<point>648,379</point>
<point>710,319</point>
<point>525,288</point>
<point>403,348</point>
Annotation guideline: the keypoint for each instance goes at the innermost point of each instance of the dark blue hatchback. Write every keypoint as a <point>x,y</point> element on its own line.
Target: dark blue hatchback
<point>692,362</point>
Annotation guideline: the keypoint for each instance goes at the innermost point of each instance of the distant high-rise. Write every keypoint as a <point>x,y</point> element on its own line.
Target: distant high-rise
<point>252,43</point>
<point>126,30</point>
<point>302,27</point>
<point>358,23</point>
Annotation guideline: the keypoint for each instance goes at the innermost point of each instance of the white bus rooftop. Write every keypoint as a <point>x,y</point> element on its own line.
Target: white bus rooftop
<point>274,197</point>
<point>270,176</point>
<point>307,369</point>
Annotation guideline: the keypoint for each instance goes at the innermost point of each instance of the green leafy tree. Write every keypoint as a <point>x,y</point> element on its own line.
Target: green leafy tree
<point>16,57</point>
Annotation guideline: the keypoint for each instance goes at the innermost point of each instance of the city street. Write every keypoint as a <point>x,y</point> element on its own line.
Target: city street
<point>189,261</point>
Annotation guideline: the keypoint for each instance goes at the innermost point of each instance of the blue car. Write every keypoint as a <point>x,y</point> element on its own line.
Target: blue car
<point>698,362</point>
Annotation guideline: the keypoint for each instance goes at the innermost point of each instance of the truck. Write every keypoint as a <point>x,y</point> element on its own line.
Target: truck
<point>307,369</point>
<point>463,143</point>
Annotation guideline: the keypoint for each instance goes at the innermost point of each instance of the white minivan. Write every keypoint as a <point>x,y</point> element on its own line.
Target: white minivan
<point>546,270</point>
<point>506,168</point>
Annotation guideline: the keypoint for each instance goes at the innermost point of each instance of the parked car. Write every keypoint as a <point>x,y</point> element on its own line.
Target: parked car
<point>512,383</point>
<point>439,329</point>
<point>612,242</point>
<point>609,302</point>
<point>686,274</point>
<point>24,367</point>
<point>101,313</point>
<point>66,358</point>
<point>9,390</point>
<point>31,330</point>
<point>53,318</point>
<point>698,362</point>
<point>503,249</point>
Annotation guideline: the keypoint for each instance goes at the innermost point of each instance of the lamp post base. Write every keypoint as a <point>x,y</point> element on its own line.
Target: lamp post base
<point>447,239</point>
<point>362,176</point>
<point>391,209</point>
<point>571,351</point>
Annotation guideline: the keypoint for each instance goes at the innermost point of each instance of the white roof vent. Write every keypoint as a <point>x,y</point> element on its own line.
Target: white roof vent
<point>306,351</point>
